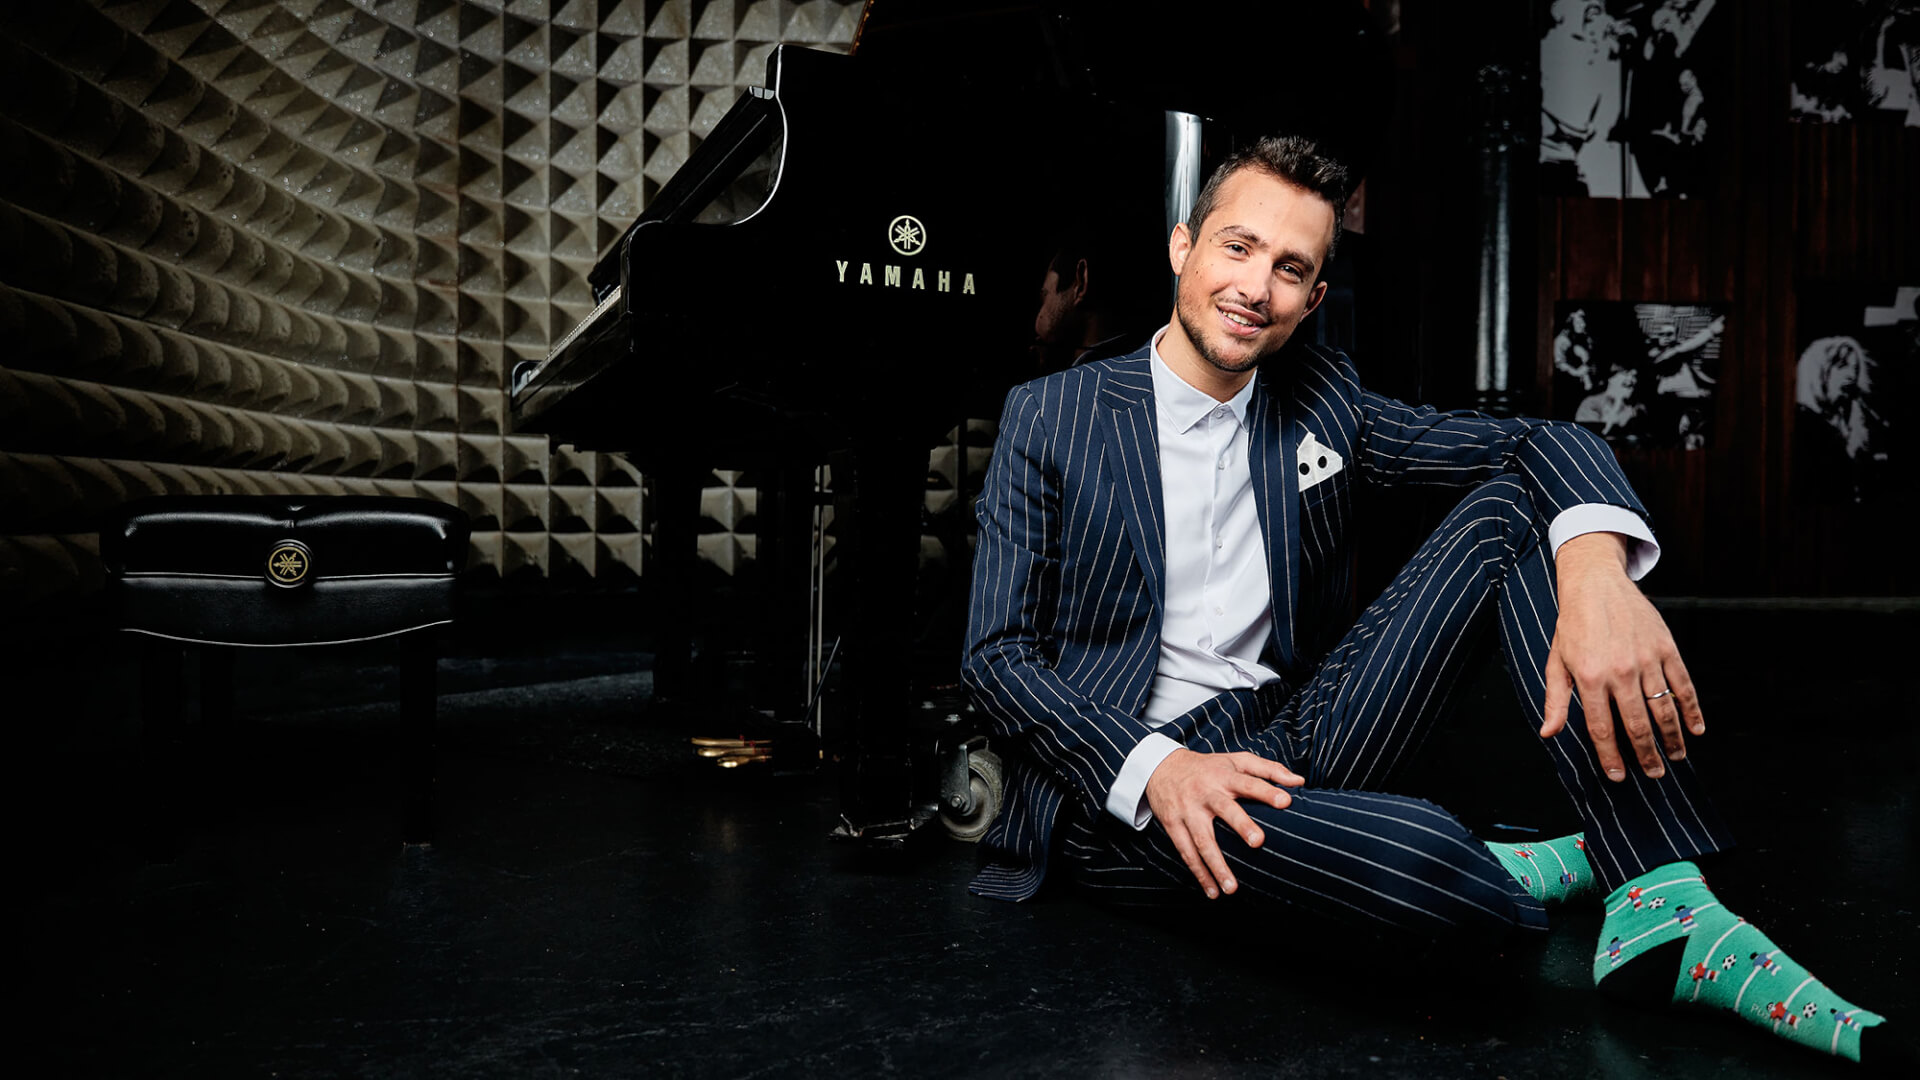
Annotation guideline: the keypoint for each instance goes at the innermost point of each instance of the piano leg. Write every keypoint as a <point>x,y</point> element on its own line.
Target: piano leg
<point>879,495</point>
<point>784,564</point>
<point>675,563</point>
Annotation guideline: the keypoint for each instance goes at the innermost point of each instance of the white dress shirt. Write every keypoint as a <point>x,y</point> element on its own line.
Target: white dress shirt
<point>1219,599</point>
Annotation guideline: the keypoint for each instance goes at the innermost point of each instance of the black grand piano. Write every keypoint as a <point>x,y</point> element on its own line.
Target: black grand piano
<point>883,289</point>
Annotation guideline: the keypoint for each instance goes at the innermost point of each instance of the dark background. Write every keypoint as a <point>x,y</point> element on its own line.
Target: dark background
<point>510,162</point>
<point>599,901</point>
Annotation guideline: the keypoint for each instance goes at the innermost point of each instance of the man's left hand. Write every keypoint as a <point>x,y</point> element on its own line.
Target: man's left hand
<point>1613,649</point>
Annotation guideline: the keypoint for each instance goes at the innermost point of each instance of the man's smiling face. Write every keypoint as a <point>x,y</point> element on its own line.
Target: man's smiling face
<point>1248,279</point>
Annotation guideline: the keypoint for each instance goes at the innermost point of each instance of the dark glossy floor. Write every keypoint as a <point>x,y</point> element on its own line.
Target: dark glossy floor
<point>599,903</point>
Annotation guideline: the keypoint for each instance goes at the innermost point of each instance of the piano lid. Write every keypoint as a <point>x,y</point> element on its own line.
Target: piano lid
<point>918,191</point>
<point>1326,73</point>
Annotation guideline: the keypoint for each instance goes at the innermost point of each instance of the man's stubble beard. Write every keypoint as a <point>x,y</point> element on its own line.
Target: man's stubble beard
<point>1202,346</point>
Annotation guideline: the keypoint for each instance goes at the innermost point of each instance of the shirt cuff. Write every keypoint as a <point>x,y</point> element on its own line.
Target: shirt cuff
<point>1642,549</point>
<point>1127,799</point>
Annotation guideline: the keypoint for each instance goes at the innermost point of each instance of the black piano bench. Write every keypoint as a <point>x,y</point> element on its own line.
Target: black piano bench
<point>223,573</point>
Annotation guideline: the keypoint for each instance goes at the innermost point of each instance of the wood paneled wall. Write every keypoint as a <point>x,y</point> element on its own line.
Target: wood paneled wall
<point>1797,204</point>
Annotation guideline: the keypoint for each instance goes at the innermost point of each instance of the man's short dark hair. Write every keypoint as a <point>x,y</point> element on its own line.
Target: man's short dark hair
<point>1294,158</point>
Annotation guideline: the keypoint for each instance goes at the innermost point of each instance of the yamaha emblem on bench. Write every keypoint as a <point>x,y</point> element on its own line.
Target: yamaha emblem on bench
<point>289,564</point>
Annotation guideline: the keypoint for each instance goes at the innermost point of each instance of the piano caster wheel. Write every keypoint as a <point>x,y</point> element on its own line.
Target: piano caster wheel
<point>986,786</point>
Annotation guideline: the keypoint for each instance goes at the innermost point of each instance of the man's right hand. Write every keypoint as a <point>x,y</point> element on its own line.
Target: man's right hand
<point>1189,790</point>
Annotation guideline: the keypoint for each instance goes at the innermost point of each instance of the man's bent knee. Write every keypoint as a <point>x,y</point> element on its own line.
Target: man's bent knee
<point>1395,860</point>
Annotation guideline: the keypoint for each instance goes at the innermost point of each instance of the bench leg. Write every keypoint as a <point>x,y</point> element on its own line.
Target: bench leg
<point>418,695</point>
<point>161,664</point>
<point>216,694</point>
<point>221,737</point>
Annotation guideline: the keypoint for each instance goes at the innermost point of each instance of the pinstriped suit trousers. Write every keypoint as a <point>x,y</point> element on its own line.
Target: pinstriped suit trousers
<point>1345,848</point>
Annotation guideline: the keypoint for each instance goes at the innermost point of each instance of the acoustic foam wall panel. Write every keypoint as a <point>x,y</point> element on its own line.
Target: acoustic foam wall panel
<point>296,246</point>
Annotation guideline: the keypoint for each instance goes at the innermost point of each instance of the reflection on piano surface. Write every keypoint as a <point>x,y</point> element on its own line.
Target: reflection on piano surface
<point>883,289</point>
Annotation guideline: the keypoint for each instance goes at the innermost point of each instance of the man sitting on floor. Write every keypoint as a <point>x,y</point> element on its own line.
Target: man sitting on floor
<point>1160,634</point>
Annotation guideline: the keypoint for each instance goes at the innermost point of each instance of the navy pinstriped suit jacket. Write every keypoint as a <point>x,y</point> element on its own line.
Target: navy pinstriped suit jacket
<point>1064,627</point>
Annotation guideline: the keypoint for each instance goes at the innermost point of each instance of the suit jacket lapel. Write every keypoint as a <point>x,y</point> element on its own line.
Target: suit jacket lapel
<point>1132,447</point>
<point>1276,496</point>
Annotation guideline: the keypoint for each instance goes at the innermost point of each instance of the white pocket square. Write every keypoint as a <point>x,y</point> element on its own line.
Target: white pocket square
<point>1317,462</point>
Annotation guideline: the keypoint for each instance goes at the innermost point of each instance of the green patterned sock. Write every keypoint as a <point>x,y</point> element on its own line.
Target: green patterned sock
<point>1724,961</point>
<point>1553,871</point>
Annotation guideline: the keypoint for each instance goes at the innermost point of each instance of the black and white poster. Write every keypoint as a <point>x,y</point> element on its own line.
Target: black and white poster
<point>1639,374</point>
<point>1633,94</point>
<point>1852,383</point>
<point>1856,59</point>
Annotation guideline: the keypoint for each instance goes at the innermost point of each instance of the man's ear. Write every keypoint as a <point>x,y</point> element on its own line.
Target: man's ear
<point>1079,283</point>
<point>1179,246</point>
<point>1313,301</point>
